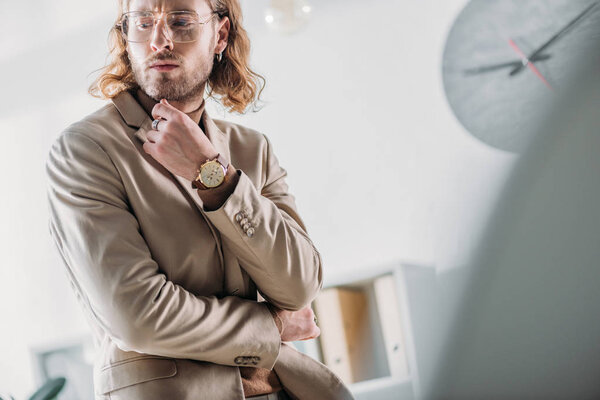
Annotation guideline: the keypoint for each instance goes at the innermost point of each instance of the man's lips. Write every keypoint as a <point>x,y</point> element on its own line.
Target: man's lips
<point>162,66</point>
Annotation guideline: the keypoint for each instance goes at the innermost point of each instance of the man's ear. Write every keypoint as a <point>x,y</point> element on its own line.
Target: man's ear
<point>222,35</point>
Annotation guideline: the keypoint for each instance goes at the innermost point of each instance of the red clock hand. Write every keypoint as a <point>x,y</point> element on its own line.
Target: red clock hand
<point>557,36</point>
<point>528,63</point>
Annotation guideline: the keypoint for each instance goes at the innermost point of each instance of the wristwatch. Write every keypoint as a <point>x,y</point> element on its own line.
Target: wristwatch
<point>211,173</point>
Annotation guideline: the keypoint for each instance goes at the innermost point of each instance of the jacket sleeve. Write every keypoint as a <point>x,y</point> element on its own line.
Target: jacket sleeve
<point>264,230</point>
<point>121,286</point>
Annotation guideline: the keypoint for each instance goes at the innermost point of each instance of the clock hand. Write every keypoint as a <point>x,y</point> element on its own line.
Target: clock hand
<point>527,63</point>
<point>489,68</point>
<point>555,37</point>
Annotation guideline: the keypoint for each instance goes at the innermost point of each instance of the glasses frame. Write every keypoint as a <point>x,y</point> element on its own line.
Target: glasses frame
<point>119,26</point>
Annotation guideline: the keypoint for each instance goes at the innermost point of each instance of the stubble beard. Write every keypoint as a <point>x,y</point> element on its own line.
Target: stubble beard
<point>188,86</point>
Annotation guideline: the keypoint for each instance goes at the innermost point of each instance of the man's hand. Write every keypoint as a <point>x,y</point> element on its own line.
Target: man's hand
<point>298,325</point>
<point>178,144</point>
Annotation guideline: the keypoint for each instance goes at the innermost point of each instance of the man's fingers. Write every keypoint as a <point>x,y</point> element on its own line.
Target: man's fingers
<point>316,333</point>
<point>148,147</point>
<point>153,135</point>
<point>164,111</point>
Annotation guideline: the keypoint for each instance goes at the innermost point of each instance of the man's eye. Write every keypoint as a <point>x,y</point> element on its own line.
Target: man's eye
<point>144,24</point>
<point>181,22</point>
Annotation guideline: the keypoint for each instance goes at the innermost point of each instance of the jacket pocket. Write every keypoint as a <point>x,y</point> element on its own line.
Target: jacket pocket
<point>132,372</point>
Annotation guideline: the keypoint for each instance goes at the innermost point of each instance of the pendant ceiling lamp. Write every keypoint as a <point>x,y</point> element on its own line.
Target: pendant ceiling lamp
<point>287,16</point>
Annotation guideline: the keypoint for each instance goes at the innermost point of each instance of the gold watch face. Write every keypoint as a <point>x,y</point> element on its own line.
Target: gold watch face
<point>212,174</point>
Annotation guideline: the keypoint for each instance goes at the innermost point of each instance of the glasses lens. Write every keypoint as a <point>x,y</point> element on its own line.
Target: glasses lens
<point>138,27</point>
<point>183,26</point>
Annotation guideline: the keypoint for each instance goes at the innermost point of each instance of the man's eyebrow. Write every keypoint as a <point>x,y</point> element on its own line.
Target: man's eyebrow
<point>183,9</point>
<point>179,9</point>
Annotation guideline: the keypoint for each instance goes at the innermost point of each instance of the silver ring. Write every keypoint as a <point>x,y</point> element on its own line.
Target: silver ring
<point>155,124</point>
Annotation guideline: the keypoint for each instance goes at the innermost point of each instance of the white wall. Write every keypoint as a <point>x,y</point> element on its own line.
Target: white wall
<point>380,168</point>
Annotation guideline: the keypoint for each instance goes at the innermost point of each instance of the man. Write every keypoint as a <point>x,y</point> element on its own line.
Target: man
<point>169,222</point>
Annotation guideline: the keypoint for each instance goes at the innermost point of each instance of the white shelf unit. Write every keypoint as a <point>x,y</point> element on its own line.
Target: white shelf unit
<point>375,380</point>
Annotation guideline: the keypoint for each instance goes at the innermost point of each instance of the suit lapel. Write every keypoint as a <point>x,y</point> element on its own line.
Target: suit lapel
<point>216,136</point>
<point>132,113</point>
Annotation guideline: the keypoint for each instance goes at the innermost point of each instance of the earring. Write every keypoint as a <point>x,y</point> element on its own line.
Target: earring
<point>219,56</point>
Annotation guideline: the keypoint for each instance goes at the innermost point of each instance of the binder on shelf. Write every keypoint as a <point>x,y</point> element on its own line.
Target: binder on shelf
<point>343,319</point>
<point>390,315</point>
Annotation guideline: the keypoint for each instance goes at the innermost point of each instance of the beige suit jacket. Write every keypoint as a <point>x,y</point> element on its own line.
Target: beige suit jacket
<point>169,289</point>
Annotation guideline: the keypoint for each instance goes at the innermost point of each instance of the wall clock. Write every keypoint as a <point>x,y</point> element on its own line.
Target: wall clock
<point>504,59</point>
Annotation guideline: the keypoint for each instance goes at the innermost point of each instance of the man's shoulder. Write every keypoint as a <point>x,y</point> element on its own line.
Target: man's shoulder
<point>233,129</point>
<point>98,125</point>
<point>241,135</point>
<point>100,130</point>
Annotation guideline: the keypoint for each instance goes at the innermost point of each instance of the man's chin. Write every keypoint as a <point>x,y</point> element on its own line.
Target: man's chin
<point>164,89</point>
<point>170,88</point>
<point>174,93</point>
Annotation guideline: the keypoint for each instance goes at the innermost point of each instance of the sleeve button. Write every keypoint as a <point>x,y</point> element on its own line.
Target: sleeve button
<point>239,216</point>
<point>250,232</point>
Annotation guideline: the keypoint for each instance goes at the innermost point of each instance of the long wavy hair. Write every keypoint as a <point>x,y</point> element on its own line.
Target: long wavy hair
<point>231,82</point>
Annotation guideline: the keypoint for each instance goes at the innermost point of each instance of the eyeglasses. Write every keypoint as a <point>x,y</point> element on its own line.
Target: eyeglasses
<point>182,26</point>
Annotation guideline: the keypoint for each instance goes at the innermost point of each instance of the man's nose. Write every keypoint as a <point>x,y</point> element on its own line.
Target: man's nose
<point>160,37</point>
